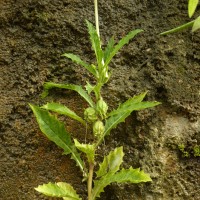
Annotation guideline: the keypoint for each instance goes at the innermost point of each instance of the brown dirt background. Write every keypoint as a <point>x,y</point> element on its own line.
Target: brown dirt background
<point>34,34</point>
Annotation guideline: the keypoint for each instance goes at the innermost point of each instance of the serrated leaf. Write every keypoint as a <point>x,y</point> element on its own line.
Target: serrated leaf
<point>196,24</point>
<point>78,60</point>
<point>123,111</point>
<point>89,87</point>
<point>56,132</point>
<point>111,162</point>
<point>109,48</point>
<point>88,149</point>
<point>125,175</point>
<point>96,43</point>
<point>59,189</point>
<point>192,5</point>
<point>134,100</point>
<point>49,85</point>
<point>63,110</point>
<point>122,42</point>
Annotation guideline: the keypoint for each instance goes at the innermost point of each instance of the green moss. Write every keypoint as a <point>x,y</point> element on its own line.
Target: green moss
<point>188,151</point>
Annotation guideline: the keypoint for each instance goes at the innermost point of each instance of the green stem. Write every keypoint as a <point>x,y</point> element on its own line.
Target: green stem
<point>90,178</point>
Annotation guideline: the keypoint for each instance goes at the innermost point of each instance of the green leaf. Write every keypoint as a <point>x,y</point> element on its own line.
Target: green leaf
<point>89,87</point>
<point>125,175</point>
<point>76,59</point>
<point>56,132</point>
<point>49,85</point>
<point>123,111</point>
<point>59,189</point>
<point>179,28</point>
<point>111,163</point>
<point>196,24</point>
<point>132,101</point>
<point>122,42</point>
<point>109,48</point>
<point>96,43</point>
<point>63,110</point>
<point>88,149</point>
<point>192,5</point>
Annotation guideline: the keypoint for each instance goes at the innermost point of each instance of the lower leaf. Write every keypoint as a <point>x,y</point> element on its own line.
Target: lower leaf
<point>125,175</point>
<point>59,189</point>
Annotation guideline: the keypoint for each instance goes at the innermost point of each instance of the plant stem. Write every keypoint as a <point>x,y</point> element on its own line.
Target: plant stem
<point>90,178</point>
<point>96,16</point>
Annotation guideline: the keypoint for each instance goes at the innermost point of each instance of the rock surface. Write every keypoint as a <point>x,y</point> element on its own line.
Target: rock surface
<point>34,34</point>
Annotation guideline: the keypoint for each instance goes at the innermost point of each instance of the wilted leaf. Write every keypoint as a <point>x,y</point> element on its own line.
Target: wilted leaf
<point>59,189</point>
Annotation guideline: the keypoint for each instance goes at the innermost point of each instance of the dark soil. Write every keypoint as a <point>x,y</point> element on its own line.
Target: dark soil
<point>35,33</point>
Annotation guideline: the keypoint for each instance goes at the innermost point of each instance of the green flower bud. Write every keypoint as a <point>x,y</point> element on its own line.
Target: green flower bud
<point>98,128</point>
<point>102,108</point>
<point>90,115</point>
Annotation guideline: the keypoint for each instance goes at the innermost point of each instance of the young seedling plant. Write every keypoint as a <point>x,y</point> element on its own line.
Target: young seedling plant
<point>96,116</point>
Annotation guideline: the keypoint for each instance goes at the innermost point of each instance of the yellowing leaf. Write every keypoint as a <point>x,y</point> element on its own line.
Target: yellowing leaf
<point>59,189</point>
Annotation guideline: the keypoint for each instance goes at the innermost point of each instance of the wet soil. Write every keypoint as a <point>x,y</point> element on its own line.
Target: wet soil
<point>34,34</point>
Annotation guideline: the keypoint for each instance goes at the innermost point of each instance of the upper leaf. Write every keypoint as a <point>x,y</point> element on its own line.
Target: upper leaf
<point>123,111</point>
<point>59,189</point>
<point>109,48</point>
<point>125,175</point>
<point>56,132</point>
<point>111,163</point>
<point>132,101</point>
<point>192,5</point>
<point>196,24</point>
<point>76,59</point>
<point>122,42</point>
<point>49,85</point>
<point>96,43</point>
<point>88,149</point>
<point>63,110</point>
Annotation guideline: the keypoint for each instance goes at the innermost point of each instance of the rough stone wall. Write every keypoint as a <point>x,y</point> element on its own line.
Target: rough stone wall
<point>33,35</point>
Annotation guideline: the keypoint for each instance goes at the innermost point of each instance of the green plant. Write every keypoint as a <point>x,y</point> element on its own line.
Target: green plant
<point>195,24</point>
<point>188,151</point>
<point>196,150</point>
<point>185,153</point>
<point>98,117</point>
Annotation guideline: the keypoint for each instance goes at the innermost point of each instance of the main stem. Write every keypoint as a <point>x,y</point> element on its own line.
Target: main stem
<point>96,16</point>
<point>90,178</point>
